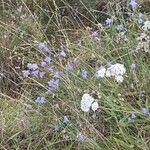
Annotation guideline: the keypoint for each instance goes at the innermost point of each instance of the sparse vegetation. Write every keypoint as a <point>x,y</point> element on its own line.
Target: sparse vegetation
<point>74,75</point>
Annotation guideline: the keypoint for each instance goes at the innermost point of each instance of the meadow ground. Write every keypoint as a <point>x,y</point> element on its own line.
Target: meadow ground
<point>74,75</point>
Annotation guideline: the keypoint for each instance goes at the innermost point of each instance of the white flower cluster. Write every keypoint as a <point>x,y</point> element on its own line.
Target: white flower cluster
<point>143,43</point>
<point>88,102</point>
<point>146,25</point>
<point>117,70</point>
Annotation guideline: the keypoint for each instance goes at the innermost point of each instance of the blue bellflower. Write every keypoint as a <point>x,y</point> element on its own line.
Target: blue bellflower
<point>35,73</point>
<point>133,67</point>
<point>94,34</point>
<point>40,100</point>
<point>53,84</point>
<point>81,137</point>
<point>42,74</point>
<point>66,120</point>
<point>133,4</point>
<point>68,67</point>
<point>132,117</point>
<point>84,74</point>
<point>108,21</point>
<point>32,66</point>
<point>43,47</point>
<point>120,27</point>
<point>145,111</point>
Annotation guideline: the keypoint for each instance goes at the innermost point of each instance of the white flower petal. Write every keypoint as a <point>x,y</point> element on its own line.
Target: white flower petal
<point>86,102</point>
<point>95,106</point>
<point>119,79</point>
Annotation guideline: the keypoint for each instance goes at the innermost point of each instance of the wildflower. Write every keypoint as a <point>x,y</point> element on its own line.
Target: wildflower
<point>65,120</point>
<point>42,74</point>
<point>95,106</point>
<point>145,111</point>
<point>140,15</point>
<point>133,66</point>
<point>35,73</point>
<point>68,67</point>
<point>120,27</point>
<point>108,72</point>
<point>43,64</point>
<point>84,74</point>
<point>56,127</point>
<point>86,102</point>
<point>108,21</point>
<point>94,34</point>
<point>81,136</point>
<point>119,78</point>
<point>53,84</point>
<point>32,66</point>
<point>26,73</point>
<point>133,4</point>
<point>100,72</point>
<point>117,69</point>
<point>143,43</point>
<point>51,68</point>
<point>132,117</point>
<point>56,74</point>
<point>40,100</point>
<point>47,59</point>
<point>146,25</point>
<point>62,53</point>
<point>43,47</point>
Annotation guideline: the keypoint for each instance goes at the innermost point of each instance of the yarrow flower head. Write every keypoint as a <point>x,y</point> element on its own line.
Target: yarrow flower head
<point>108,21</point>
<point>43,47</point>
<point>133,4</point>
<point>26,73</point>
<point>95,106</point>
<point>119,78</point>
<point>87,102</point>
<point>146,25</point>
<point>84,74</point>
<point>40,100</point>
<point>117,70</point>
